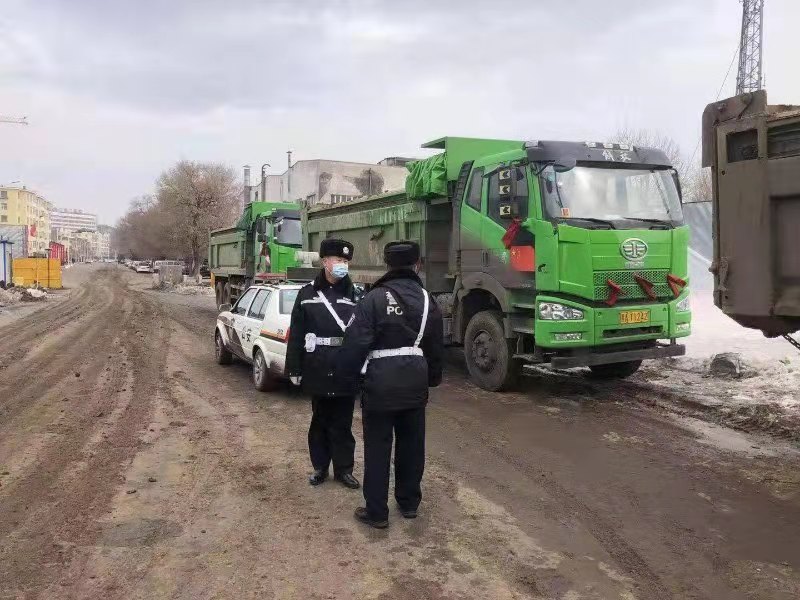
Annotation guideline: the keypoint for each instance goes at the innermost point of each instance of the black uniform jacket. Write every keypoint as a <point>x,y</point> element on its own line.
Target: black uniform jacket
<point>310,315</point>
<point>389,316</point>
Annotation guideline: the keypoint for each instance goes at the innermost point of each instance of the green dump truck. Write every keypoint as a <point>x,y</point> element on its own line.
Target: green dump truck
<point>564,254</point>
<point>260,247</point>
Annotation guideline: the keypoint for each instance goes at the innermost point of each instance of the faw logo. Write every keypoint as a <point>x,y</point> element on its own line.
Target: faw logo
<point>633,249</point>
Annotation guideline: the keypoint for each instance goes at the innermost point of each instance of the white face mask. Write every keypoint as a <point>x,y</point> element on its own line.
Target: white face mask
<point>339,270</point>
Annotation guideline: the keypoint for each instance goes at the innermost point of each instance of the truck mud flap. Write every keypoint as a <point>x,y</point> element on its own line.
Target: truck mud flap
<point>587,360</point>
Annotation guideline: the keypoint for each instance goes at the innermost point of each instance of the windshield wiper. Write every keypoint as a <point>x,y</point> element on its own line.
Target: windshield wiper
<point>591,220</point>
<point>646,220</point>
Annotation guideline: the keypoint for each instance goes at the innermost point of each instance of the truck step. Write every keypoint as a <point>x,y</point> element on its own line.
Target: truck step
<point>524,306</point>
<point>526,330</point>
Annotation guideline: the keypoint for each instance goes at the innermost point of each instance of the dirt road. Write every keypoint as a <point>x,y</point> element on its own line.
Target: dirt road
<point>132,466</point>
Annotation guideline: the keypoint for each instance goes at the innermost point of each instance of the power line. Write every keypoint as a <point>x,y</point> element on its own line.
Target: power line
<point>719,93</point>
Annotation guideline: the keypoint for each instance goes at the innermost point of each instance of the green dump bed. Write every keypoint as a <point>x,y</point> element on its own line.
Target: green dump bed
<point>226,251</point>
<point>422,212</point>
<point>370,223</point>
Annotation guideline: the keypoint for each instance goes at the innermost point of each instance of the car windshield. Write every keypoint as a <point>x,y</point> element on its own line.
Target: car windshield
<point>289,233</point>
<point>618,198</point>
<point>287,301</point>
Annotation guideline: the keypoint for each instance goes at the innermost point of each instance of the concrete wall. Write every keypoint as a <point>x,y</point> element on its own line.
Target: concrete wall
<point>330,182</point>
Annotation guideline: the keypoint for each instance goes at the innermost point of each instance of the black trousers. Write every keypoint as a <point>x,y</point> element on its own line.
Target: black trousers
<point>408,427</point>
<point>330,435</point>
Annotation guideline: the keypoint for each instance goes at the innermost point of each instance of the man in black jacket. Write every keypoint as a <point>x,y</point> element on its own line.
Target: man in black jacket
<point>321,313</point>
<point>398,329</point>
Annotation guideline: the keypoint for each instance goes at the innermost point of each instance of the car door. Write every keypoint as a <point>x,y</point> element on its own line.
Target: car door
<point>239,321</point>
<point>255,316</point>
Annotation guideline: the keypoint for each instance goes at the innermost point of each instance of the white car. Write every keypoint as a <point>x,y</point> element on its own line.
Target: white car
<point>144,268</point>
<point>256,330</point>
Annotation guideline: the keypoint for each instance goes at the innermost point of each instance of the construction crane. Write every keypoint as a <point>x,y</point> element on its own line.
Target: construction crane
<point>749,77</point>
<point>17,120</point>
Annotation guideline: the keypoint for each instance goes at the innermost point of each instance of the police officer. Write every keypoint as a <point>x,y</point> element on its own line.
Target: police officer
<point>397,331</point>
<point>321,313</point>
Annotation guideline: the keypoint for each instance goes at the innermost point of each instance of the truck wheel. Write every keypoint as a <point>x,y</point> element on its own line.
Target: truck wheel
<point>226,293</point>
<point>222,354</point>
<point>261,377</point>
<point>619,370</point>
<point>489,355</point>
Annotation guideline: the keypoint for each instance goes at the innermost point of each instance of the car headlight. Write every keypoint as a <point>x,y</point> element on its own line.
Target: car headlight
<point>683,305</point>
<point>552,311</point>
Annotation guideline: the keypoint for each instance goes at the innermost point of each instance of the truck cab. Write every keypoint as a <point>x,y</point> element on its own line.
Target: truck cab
<point>583,247</point>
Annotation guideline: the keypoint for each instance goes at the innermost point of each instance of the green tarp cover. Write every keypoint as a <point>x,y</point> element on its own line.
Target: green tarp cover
<point>246,220</point>
<point>428,177</point>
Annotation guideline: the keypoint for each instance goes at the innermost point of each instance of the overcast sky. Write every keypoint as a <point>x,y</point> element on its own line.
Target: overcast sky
<point>117,91</point>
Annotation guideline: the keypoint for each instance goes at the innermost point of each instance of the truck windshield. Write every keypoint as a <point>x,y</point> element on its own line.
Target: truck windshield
<point>289,233</point>
<point>618,198</point>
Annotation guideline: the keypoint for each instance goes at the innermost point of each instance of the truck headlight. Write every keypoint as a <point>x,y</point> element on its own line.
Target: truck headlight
<point>552,311</point>
<point>683,305</point>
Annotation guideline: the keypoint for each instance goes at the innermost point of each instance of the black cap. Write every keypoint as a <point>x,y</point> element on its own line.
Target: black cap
<point>403,253</point>
<point>333,247</point>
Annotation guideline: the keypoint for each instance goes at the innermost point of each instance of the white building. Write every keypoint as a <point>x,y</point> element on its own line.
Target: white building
<point>328,181</point>
<point>72,219</point>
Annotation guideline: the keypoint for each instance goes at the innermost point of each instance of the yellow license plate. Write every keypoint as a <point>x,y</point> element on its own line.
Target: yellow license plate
<point>628,317</point>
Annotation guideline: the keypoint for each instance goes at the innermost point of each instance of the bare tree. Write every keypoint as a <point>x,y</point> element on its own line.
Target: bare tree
<point>191,199</point>
<point>195,198</point>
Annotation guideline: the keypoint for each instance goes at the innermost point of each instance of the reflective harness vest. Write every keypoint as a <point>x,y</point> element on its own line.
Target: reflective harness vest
<point>414,350</point>
<point>311,339</point>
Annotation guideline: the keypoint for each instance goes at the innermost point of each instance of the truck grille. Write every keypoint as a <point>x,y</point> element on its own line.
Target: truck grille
<point>625,280</point>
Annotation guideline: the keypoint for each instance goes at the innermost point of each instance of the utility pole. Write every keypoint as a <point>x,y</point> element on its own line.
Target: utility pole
<point>16,120</point>
<point>289,176</point>
<point>749,77</point>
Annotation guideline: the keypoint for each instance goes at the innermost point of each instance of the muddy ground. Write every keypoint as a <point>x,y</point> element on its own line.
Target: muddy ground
<point>133,466</point>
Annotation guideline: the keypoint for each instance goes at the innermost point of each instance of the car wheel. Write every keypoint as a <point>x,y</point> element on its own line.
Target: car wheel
<point>261,376</point>
<point>223,355</point>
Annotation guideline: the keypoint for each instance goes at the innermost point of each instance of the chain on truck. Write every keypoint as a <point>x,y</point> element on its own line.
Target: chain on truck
<point>563,254</point>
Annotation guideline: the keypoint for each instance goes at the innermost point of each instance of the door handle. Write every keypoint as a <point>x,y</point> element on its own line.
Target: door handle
<point>485,258</point>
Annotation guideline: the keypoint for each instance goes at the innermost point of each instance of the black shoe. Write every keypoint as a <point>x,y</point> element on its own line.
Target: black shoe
<point>362,516</point>
<point>348,481</point>
<point>409,514</point>
<point>318,477</point>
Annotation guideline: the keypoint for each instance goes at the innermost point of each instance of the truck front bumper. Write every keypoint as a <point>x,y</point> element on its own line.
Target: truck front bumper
<point>603,358</point>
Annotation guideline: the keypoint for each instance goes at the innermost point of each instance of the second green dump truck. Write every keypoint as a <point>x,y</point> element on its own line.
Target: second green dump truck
<point>263,244</point>
<point>567,254</point>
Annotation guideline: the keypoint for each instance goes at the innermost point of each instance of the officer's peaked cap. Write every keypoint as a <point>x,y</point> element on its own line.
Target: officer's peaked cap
<point>403,253</point>
<point>334,247</point>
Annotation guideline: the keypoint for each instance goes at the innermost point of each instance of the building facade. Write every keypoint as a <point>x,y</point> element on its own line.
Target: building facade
<point>21,206</point>
<point>74,219</point>
<point>311,182</point>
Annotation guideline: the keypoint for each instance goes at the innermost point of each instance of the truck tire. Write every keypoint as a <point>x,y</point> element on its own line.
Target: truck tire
<point>489,355</point>
<point>226,293</point>
<point>222,354</point>
<point>619,370</point>
<point>261,376</point>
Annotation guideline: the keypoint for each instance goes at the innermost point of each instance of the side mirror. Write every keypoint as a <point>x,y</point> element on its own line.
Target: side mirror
<point>262,237</point>
<point>224,307</point>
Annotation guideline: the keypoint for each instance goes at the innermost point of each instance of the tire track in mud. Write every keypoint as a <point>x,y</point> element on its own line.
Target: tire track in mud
<point>52,505</point>
<point>569,505</point>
